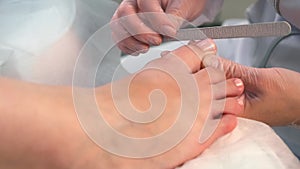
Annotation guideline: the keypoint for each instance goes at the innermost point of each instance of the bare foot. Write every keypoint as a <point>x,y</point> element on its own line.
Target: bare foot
<point>216,95</point>
<point>40,128</point>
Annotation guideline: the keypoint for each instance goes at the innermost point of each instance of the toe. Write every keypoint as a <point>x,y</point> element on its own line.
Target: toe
<point>225,126</point>
<point>230,105</point>
<point>229,88</point>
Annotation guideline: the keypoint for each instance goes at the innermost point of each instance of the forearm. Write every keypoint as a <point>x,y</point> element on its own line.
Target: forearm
<point>14,120</point>
<point>39,128</point>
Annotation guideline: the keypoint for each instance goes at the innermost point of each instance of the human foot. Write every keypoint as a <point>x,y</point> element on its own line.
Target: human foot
<point>213,95</point>
<point>45,128</point>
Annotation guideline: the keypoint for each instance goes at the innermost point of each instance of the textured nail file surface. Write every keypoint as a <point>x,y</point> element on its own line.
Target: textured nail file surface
<point>236,31</point>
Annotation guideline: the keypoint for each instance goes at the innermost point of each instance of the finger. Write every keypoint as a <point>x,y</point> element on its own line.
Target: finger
<point>131,21</point>
<point>125,41</point>
<point>140,31</point>
<point>120,36</point>
<point>134,45</point>
<point>127,51</point>
<point>124,47</point>
<point>229,88</point>
<point>115,24</point>
<point>127,19</point>
<point>175,8</point>
<point>158,20</point>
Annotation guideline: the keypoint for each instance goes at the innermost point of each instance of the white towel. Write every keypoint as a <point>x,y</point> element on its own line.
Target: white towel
<point>251,145</point>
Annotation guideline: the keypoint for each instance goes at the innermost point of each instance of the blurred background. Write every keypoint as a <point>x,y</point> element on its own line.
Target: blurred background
<point>238,11</point>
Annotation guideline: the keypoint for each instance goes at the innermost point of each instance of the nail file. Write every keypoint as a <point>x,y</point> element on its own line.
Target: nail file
<point>236,31</point>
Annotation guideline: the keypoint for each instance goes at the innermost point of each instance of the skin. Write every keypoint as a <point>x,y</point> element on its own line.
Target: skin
<point>271,94</point>
<point>136,33</point>
<point>40,129</point>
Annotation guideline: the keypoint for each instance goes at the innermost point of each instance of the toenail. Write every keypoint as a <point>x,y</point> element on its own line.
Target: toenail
<point>241,100</point>
<point>238,83</point>
<point>207,45</point>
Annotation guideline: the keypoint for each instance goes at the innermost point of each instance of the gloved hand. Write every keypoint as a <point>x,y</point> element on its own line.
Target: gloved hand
<point>271,94</point>
<point>137,32</point>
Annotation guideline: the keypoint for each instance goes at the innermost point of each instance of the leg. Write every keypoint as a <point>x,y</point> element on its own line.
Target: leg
<point>41,128</point>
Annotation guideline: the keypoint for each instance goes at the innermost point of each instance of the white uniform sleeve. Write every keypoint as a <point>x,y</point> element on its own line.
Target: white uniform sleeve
<point>210,11</point>
<point>289,10</point>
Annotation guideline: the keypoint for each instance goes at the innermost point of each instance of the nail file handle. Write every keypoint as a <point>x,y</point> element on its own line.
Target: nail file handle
<point>236,31</point>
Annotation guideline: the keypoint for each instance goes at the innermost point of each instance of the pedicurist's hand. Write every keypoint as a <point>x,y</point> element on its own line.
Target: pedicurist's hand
<point>271,94</point>
<point>135,32</point>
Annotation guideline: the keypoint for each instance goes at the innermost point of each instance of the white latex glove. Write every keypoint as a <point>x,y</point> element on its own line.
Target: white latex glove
<point>272,95</point>
<point>136,33</point>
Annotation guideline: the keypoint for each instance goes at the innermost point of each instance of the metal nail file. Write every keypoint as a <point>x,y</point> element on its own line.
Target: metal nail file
<point>236,31</point>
